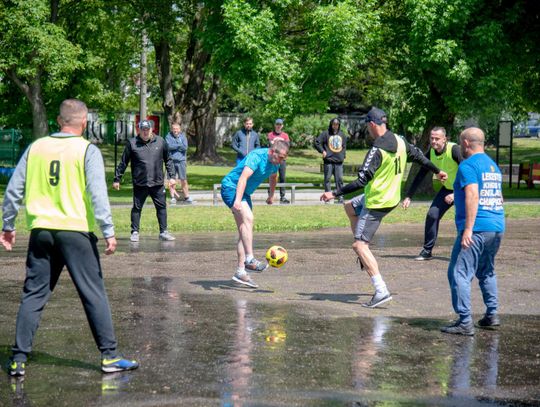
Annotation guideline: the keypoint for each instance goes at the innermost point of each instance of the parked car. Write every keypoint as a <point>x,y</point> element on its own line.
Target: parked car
<point>530,128</point>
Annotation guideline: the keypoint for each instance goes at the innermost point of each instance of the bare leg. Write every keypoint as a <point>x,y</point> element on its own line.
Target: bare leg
<point>244,223</point>
<point>361,248</point>
<point>185,188</point>
<point>353,218</point>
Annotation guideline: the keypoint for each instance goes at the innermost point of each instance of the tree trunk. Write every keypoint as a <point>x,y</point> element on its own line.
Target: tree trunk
<point>143,78</point>
<point>164,69</point>
<point>205,129</point>
<point>33,93</point>
<point>437,115</point>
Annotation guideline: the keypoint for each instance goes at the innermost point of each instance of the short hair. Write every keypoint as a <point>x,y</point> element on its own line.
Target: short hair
<point>281,146</point>
<point>72,111</point>
<point>248,118</point>
<point>473,135</point>
<point>441,129</point>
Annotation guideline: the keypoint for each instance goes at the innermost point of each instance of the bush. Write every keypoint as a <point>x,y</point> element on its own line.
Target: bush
<point>304,129</point>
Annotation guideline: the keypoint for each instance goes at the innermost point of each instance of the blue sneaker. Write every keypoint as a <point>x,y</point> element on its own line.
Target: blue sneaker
<point>117,365</point>
<point>16,369</point>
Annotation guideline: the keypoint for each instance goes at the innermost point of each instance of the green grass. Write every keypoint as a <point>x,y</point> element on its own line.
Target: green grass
<point>274,218</point>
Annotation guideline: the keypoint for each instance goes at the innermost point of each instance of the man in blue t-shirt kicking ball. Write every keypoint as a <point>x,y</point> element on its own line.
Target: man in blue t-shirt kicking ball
<point>236,189</point>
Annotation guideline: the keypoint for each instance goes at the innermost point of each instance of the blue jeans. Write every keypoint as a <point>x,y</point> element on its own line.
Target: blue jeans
<point>478,260</point>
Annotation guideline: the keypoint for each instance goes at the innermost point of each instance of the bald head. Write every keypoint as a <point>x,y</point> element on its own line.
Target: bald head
<point>72,117</point>
<point>471,141</point>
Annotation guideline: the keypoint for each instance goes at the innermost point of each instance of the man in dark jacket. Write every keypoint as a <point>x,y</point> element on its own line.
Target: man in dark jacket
<point>380,176</point>
<point>245,140</point>
<point>332,144</point>
<point>147,153</point>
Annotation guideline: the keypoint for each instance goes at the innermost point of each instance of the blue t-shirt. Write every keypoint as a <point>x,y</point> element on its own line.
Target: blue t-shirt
<point>262,168</point>
<point>482,170</point>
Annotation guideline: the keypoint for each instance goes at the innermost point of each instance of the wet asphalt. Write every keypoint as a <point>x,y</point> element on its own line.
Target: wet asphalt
<point>201,350</point>
<point>218,349</point>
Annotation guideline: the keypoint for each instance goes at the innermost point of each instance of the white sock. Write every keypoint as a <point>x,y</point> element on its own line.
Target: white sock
<point>249,257</point>
<point>240,271</point>
<point>379,284</point>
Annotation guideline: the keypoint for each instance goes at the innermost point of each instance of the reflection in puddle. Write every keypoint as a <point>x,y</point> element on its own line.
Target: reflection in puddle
<point>200,349</point>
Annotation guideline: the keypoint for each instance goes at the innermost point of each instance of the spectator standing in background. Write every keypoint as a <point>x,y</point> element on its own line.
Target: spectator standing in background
<point>245,140</point>
<point>279,134</point>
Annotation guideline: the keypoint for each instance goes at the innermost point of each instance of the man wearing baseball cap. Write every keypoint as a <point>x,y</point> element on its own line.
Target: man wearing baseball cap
<point>147,153</point>
<point>380,176</point>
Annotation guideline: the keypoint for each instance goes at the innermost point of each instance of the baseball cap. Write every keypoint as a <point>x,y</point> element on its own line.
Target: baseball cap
<point>279,121</point>
<point>145,124</point>
<point>376,116</point>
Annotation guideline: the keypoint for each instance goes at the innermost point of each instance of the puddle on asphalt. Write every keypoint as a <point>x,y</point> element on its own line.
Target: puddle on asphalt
<point>202,242</point>
<point>200,350</point>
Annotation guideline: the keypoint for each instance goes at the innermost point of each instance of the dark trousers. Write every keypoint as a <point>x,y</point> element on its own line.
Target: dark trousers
<point>335,169</point>
<point>48,252</point>
<point>281,178</point>
<point>434,215</point>
<point>157,194</point>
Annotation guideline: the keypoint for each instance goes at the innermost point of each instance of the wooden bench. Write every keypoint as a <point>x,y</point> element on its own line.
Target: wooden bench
<point>528,172</point>
<point>291,185</point>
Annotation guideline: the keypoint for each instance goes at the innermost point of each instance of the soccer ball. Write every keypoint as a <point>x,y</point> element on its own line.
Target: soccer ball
<point>277,256</point>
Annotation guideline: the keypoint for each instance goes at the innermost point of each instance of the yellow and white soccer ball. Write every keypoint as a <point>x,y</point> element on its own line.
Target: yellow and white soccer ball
<point>277,256</point>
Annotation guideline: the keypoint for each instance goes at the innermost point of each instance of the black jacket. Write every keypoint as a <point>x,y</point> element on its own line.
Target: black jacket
<point>146,161</point>
<point>373,160</point>
<point>335,145</point>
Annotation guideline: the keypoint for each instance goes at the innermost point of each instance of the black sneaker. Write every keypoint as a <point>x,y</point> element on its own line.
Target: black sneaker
<point>377,299</point>
<point>284,201</point>
<point>459,328</point>
<point>489,321</point>
<point>16,369</point>
<point>424,255</point>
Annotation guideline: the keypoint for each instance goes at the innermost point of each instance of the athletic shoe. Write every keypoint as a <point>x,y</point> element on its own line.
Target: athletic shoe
<point>255,266</point>
<point>166,236</point>
<point>244,279</point>
<point>459,328</point>
<point>134,237</point>
<point>117,365</point>
<point>284,201</point>
<point>377,299</point>
<point>173,201</point>
<point>489,321</point>
<point>424,255</point>
<point>188,201</point>
<point>16,369</point>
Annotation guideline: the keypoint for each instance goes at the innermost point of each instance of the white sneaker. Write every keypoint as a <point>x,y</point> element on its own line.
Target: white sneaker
<point>166,236</point>
<point>134,237</point>
<point>244,279</point>
<point>173,201</point>
<point>378,299</point>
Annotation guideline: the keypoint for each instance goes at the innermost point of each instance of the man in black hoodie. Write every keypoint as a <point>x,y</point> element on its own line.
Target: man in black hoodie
<point>332,144</point>
<point>381,175</point>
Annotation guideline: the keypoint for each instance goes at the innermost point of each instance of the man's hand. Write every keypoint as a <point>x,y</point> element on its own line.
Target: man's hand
<point>466,239</point>
<point>442,176</point>
<point>406,203</point>
<point>237,206</point>
<point>327,196</point>
<point>116,185</point>
<point>7,238</point>
<point>324,154</point>
<point>449,199</point>
<point>111,245</point>
<point>270,200</point>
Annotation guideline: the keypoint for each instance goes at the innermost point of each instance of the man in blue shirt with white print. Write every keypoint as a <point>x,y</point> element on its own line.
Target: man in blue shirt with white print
<point>236,189</point>
<point>480,224</point>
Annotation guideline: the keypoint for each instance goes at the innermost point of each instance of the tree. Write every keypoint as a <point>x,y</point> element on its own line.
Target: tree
<point>34,53</point>
<point>448,59</point>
